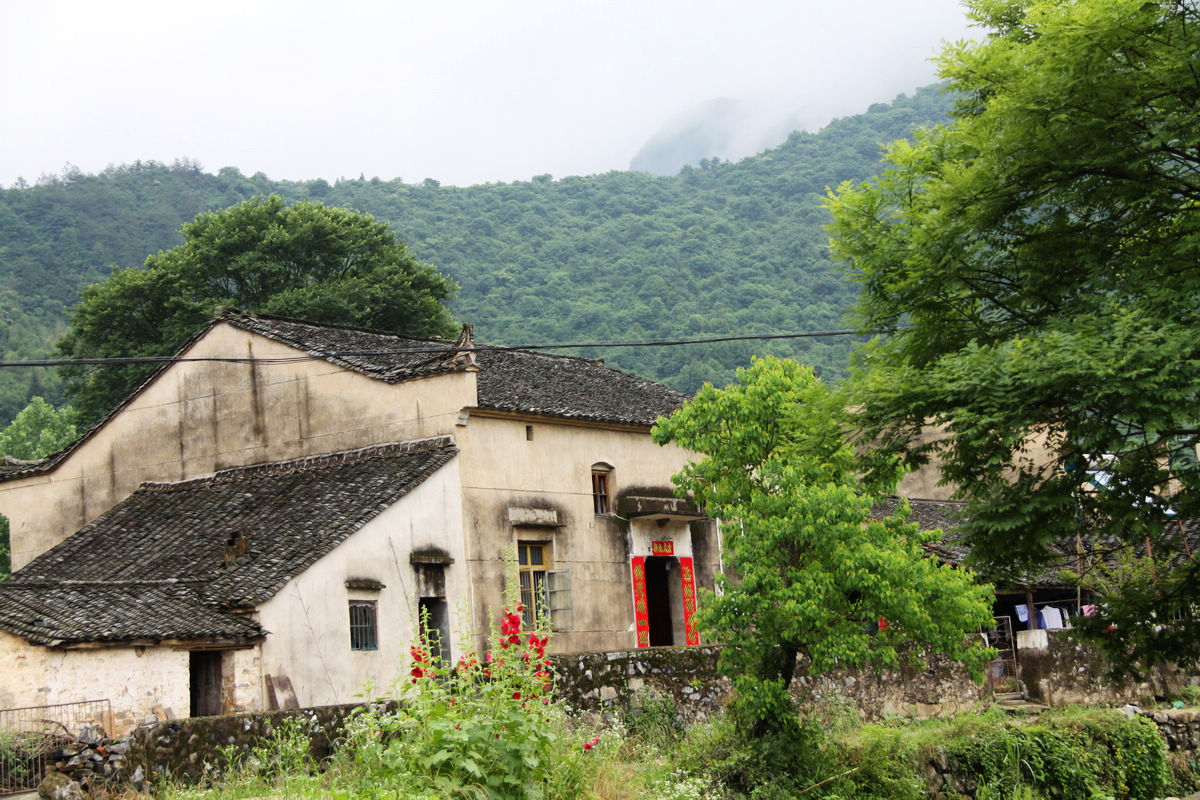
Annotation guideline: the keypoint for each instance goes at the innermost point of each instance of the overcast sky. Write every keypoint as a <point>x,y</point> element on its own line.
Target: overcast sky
<point>458,90</point>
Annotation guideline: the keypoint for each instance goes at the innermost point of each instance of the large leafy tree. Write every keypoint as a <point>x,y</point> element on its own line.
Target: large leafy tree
<point>1036,264</point>
<point>815,568</point>
<point>303,260</point>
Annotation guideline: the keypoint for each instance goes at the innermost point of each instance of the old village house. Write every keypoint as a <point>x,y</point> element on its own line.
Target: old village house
<point>237,532</point>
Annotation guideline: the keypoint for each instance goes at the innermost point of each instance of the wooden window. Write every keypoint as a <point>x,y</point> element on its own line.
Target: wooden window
<point>532,563</point>
<point>600,489</point>
<point>363,634</point>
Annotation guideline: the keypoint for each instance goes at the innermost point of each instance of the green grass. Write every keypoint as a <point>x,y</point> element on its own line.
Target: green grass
<point>1073,754</point>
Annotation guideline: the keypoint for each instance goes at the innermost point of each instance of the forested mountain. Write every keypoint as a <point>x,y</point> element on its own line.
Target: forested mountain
<point>726,248</point>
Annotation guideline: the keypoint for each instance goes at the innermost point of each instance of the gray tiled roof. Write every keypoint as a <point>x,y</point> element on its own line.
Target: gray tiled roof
<point>575,388</point>
<point>63,613</point>
<point>933,515</point>
<point>1179,537</point>
<point>520,381</point>
<point>169,541</point>
<point>384,356</point>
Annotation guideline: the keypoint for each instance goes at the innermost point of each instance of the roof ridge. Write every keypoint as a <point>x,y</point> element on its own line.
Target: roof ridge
<point>236,314</point>
<point>303,463</point>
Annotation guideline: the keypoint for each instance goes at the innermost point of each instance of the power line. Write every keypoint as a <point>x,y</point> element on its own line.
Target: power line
<point>431,350</point>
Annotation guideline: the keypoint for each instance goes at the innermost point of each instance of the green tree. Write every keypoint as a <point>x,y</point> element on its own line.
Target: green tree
<point>1035,265</point>
<point>816,570</point>
<point>38,430</point>
<point>304,260</point>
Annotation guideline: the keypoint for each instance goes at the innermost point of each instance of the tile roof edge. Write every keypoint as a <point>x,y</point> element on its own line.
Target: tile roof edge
<point>454,360</point>
<point>368,453</point>
<point>959,503</point>
<point>235,315</point>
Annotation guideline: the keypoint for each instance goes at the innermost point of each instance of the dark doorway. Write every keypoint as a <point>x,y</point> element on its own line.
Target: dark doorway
<point>435,627</point>
<point>658,600</point>
<point>204,670</point>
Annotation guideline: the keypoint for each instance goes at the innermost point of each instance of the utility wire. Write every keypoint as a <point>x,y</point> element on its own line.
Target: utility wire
<point>431,350</point>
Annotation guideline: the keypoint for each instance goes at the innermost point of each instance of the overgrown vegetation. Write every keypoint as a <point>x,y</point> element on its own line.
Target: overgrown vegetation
<point>1070,754</point>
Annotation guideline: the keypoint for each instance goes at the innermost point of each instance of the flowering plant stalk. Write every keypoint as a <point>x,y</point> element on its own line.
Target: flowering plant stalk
<point>486,725</point>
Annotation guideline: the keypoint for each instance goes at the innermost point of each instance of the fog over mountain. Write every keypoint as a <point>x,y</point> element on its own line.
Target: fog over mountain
<point>723,128</point>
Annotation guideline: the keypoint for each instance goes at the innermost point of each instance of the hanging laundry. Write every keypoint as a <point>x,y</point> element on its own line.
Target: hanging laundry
<point>1051,616</point>
<point>1023,613</point>
<point>1089,609</point>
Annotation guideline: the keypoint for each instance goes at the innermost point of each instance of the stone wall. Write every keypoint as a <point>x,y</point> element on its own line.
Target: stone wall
<point>1058,669</point>
<point>599,682</point>
<point>604,682</point>
<point>1180,728</point>
<point>192,749</point>
<point>941,689</point>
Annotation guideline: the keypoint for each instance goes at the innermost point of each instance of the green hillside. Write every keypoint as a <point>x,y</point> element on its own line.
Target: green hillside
<point>726,248</point>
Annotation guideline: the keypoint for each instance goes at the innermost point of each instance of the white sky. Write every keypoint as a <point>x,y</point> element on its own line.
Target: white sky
<point>458,90</point>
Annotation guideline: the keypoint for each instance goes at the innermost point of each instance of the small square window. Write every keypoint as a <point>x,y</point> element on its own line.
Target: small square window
<point>362,625</point>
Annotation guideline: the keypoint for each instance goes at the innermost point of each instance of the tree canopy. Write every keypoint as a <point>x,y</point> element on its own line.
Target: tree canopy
<point>304,260</point>
<point>816,569</point>
<point>39,430</point>
<point>1035,265</point>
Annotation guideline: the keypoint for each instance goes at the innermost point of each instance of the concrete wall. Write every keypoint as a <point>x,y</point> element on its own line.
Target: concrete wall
<point>196,418</point>
<point>309,618</point>
<point>925,483</point>
<point>140,682</point>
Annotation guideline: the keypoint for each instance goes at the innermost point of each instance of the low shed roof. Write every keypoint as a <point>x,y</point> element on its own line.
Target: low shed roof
<point>179,560</point>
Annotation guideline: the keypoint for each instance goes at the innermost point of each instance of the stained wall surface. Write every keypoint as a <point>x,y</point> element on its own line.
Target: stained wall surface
<point>199,417</point>
<point>521,463</point>
<point>139,682</point>
<point>308,619</point>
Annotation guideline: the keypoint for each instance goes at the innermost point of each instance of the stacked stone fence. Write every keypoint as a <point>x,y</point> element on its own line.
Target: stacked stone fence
<point>620,680</point>
<point>1058,669</point>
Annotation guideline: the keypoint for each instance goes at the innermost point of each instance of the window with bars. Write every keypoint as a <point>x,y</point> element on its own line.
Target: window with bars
<point>363,627</point>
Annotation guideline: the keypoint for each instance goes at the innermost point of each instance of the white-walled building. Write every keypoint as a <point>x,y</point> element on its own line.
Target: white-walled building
<point>250,512</point>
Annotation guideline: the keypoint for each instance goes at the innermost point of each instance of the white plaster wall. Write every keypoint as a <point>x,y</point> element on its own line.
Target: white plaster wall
<point>196,418</point>
<point>309,618</point>
<point>242,686</point>
<point>139,682</point>
<point>502,468</point>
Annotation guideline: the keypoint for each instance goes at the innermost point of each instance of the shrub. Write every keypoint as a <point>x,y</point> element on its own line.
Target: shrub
<point>486,728</point>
